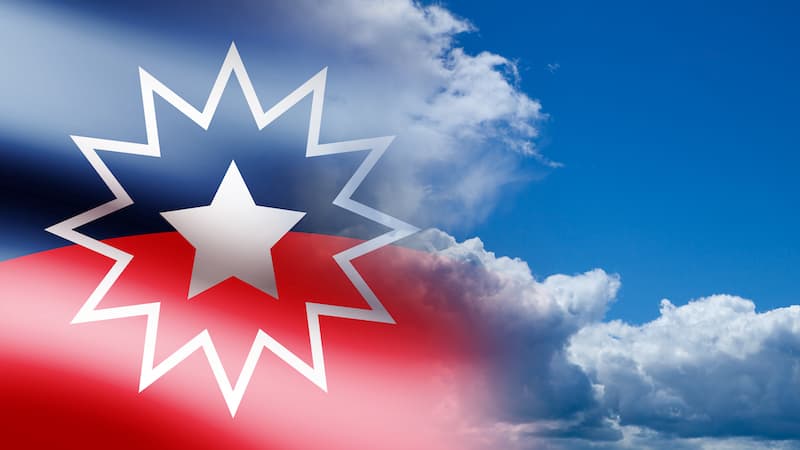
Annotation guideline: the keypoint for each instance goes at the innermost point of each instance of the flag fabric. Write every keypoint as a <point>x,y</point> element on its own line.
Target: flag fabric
<point>171,292</point>
<point>389,385</point>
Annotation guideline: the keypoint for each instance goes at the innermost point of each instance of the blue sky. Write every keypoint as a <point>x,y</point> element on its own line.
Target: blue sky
<point>677,127</point>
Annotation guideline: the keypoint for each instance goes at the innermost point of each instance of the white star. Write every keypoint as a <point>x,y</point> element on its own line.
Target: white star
<point>233,236</point>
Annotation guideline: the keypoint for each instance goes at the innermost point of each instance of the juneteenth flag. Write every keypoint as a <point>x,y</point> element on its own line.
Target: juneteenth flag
<point>182,302</point>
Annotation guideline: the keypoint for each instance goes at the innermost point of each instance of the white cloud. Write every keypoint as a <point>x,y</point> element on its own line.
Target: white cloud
<point>462,122</point>
<point>713,367</point>
<point>529,322</point>
<point>575,300</point>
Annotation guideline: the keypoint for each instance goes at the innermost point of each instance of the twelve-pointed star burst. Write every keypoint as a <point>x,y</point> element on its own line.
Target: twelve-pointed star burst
<point>233,236</point>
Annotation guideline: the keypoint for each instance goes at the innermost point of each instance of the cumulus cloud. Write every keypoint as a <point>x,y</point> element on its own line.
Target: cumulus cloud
<point>711,374</point>
<point>713,367</point>
<point>529,323</point>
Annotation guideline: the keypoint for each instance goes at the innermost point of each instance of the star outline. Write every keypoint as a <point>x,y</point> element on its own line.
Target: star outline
<point>233,393</point>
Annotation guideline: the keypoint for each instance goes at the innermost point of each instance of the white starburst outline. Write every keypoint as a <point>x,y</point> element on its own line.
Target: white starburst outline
<point>232,393</point>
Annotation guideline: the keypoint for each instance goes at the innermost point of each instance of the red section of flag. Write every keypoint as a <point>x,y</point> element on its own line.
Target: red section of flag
<point>407,385</point>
